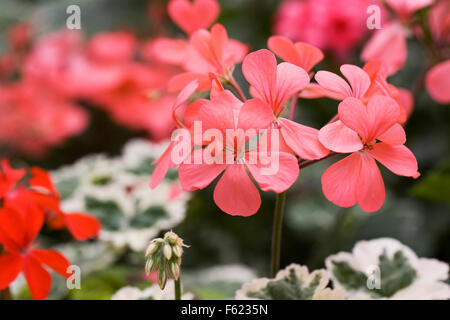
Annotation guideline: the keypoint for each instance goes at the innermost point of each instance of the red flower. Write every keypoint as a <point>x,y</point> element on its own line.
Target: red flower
<point>42,196</point>
<point>18,229</point>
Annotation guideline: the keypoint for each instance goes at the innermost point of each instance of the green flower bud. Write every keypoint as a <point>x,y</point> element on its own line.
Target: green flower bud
<point>162,278</point>
<point>177,250</point>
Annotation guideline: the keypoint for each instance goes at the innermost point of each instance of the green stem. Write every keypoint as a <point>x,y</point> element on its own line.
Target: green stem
<point>178,289</point>
<point>237,88</point>
<point>276,233</point>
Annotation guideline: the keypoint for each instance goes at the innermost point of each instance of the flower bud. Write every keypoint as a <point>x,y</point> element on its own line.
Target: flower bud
<point>178,251</point>
<point>174,270</point>
<point>151,265</point>
<point>151,249</point>
<point>164,255</point>
<point>162,278</point>
<point>167,250</point>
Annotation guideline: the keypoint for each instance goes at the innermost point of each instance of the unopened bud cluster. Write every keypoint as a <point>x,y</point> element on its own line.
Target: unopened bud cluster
<point>164,255</point>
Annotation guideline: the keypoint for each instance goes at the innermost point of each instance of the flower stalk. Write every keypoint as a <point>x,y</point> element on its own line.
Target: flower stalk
<point>276,233</point>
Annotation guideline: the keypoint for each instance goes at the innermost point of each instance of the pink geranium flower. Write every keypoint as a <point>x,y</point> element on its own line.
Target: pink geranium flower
<point>362,84</point>
<point>190,17</point>
<point>275,85</point>
<point>371,133</point>
<point>333,25</point>
<point>235,193</point>
<point>209,52</point>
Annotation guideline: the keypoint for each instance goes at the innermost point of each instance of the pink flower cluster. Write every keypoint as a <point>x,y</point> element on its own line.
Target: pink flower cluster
<point>367,126</point>
<point>35,116</point>
<point>338,26</point>
<point>41,83</point>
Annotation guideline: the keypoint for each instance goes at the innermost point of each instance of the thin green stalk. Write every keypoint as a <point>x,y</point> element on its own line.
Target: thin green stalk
<point>237,88</point>
<point>178,289</point>
<point>276,233</point>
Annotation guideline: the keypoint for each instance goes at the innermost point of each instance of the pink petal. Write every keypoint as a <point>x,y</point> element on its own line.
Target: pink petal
<point>314,91</point>
<point>309,55</point>
<point>181,99</point>
<point>284,48</point>
<point>181,80</point>
<point>164,163</point>
<point>171,51</point>
<point>353,113</point>
<point>260,70</point>
<point>370,190</point>
<point>389,46</point>
<point>198,176</point>
<point>358,79</point>
<point>290,80</point>
<point>192,16</point>
<point>303,140</point>
<point>438,82</point>
<point>219,113</point>
<point>333,83</point>
<point>301,54</point>
<point>340,181</point>
<point>281,179</point>
<point>192,110</point>
<point>255,114</point>
<point>339,138</point>
<point>234,53</point>
<point>395,135</point>
<point>383,113</point>
<point>219,41</point>
<point>235,193</point>
<point>399,159</point>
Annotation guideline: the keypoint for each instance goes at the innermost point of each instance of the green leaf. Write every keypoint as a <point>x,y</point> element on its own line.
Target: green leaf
<point>396,274</point>
<point>287,288</point>
<point>109,213</point>
<point>101,180</point>
<point>435,186</point>
<point>67,187</point>
<point>348,277</point>
<point>148,217</point>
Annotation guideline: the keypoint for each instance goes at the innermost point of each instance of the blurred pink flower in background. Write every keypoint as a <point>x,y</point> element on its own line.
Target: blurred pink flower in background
<point>337,26</point>
<point>35,118</point>
<point>404,8</point>
<point>40,111</point>
<point>437,82</point>
<point>195,15</point>
<point>439,20</point>
<point>388,45</point>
